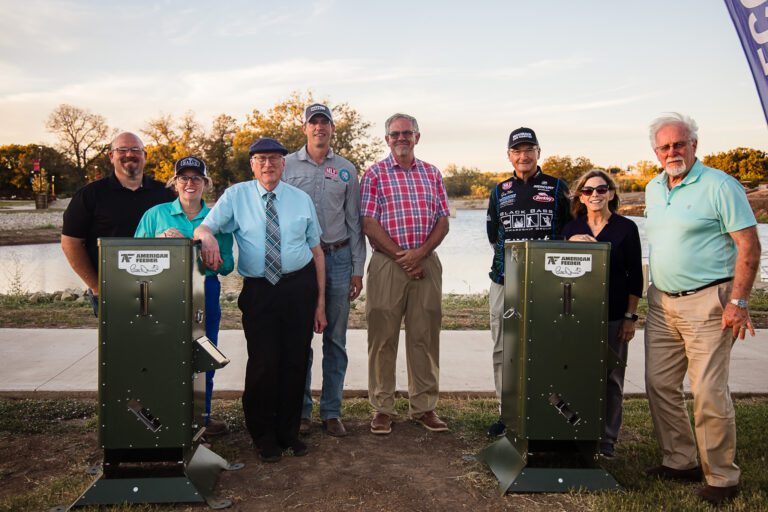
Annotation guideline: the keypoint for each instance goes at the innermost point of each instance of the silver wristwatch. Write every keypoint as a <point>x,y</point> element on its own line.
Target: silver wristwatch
<point>740,303</point>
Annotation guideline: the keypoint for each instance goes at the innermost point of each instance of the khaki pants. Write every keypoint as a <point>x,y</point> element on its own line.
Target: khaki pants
<point>392,295</point>
<point>496,304</point>
<point>684,333</point>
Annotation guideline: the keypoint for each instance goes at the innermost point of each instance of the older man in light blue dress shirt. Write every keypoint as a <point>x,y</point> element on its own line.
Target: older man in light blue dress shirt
<point>283,297</point>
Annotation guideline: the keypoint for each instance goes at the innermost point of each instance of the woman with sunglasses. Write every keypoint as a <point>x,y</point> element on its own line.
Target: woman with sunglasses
<point>594,206</point>
<point>178,219</point>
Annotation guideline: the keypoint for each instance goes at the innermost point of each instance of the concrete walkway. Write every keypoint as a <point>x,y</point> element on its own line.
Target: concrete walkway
<point>64,361</point>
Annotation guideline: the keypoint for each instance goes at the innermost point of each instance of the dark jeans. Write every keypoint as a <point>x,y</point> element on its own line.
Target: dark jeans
<point>277,322</point>
<point>94,302</point>
<point>614,396</point>
<point>212,321</point>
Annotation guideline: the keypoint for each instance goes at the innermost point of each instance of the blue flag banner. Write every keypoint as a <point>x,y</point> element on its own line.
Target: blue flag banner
<point>750,17</point>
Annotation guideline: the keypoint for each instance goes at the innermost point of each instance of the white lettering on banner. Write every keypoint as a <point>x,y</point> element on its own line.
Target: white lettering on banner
<point>144,263</point>
<point>567,265</point>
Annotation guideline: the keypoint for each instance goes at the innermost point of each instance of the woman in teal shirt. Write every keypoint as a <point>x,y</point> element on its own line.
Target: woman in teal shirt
<point>178,219</point>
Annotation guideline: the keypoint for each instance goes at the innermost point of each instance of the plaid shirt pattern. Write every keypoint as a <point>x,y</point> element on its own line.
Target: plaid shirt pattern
<point>406,202</point>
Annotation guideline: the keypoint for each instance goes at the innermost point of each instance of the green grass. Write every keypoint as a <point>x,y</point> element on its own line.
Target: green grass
<point>468,418</point>
<point>8,203</point>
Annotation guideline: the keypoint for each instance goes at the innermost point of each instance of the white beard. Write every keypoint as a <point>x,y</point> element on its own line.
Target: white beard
<point>676,171</point>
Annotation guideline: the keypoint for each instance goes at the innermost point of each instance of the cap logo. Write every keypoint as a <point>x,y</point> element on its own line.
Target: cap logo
<point>189,162</point>
<point>522,135</point>
<point>315,108</point>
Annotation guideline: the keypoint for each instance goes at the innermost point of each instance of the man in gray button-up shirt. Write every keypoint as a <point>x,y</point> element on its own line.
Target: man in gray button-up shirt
<point>331,181</point>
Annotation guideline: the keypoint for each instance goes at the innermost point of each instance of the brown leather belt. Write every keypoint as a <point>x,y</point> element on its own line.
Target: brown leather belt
<point>691,292</point>
<point>328,248</point>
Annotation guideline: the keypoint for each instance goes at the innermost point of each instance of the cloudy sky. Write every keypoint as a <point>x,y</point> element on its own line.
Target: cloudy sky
<point>587,75</point>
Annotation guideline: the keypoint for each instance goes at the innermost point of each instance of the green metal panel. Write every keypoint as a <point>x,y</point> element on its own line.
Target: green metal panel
<point>152,309</point>
<point>555,339</point>
<point>555,361</point>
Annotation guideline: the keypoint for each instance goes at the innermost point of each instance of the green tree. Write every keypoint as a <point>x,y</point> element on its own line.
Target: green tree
<point>283,122</point>
<point>170,140</point>
<point>566,168</point>
<point>219,153</point>
<point>16,165</point>
<point>744,164</point>
<point>83,138</point>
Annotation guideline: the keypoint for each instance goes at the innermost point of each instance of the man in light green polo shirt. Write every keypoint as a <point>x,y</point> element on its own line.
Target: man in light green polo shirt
<point>704,254</point>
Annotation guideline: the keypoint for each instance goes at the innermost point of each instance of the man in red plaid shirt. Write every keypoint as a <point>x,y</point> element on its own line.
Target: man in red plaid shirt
<point>405,217</point>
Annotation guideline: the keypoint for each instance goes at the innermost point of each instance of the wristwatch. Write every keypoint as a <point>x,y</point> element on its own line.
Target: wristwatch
<point>740,303</point>
<point>630,316</point>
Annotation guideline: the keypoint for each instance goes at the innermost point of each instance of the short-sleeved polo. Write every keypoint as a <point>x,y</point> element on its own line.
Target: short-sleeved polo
<point>688,227</point>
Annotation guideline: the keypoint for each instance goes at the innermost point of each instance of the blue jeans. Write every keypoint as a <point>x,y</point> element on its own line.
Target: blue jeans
<point>212,321</point>
<point>338,275</point>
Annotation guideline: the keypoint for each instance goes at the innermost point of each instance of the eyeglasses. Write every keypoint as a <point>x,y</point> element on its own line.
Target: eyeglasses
<point>262,160</point>
<point>675,145</point>
<point>600,189</point>
<point>521,152</point>
<point>124,151</point>
<point>320,120</point>
<point>396,135</point>
<point>194,179</point>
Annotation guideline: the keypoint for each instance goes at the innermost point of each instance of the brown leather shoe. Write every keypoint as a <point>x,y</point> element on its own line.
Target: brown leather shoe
<point>432,422</point>
<point>693,474</point>
<point>381,423</point>
<point>334,427</point>
<point>717,495</point>
<point>305,427</point>
<point>216,428</point>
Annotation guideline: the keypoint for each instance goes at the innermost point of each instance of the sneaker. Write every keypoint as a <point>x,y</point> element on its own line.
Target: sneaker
<point>216,427</point>
<point>334,427</point>
<point>431,422</point>
<point>299,448</point>
<point>305,427</point>
<point>693,474</point>
<point>607,451</point>
<point>717,495</point>
<point>381,424</point>
<point>497,429</point>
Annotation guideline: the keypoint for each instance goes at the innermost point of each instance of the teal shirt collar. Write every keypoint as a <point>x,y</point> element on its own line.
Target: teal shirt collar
<point>176,209</point>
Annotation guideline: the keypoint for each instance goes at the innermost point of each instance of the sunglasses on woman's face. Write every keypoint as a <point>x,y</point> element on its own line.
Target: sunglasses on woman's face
<point>600,189</point>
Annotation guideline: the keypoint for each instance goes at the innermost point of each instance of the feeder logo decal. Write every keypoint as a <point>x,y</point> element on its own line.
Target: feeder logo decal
<point>568,265</point>
<point>144,263</point>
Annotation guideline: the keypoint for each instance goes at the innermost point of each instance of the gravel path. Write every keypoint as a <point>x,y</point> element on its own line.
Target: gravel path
<point>20,218</point>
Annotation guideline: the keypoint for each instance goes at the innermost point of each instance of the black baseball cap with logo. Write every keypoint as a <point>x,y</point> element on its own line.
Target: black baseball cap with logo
<point>317,109</point>
<point>189,163</point>
<point>522,136</point>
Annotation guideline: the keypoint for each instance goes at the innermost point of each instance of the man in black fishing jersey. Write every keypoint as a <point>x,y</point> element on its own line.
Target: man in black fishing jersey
<point>530,205</point>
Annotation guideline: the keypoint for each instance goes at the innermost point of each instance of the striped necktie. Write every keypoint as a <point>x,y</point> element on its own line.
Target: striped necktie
<point>272,242</point>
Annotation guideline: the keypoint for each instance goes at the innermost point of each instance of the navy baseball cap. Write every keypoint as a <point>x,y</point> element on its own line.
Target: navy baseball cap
<point>267,145</point>
<point>189,162</point>
<point>522,136</point>
<point>317,109</point>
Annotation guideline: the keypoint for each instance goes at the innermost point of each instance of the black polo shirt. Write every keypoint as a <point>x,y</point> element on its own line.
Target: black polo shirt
<point>106,208</point>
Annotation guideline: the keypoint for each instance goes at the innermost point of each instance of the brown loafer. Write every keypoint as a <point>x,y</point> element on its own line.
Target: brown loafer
<point>334,427</point>
<point>216,428</point>
<point>305,427</point>
<point>381,423</point>
<point>431,421</point>
<point>693,474</point>
<point>717,495</point>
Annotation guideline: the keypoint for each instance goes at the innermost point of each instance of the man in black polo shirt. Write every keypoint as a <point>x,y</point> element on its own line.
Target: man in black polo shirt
<point>111,206</point>
<point>530,205</point>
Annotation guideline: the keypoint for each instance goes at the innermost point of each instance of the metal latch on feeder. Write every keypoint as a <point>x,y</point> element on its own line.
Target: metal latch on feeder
<point>206,356</point>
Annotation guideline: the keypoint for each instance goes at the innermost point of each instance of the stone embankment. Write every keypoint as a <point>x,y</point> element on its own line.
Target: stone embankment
<point>79,295</point>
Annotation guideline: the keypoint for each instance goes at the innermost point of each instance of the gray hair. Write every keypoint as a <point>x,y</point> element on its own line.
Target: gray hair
<point>673,118</point>
<point>393,117</point>
<point>112,144</point>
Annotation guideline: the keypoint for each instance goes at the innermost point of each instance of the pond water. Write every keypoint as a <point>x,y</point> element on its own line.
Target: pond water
<point>465,255</point>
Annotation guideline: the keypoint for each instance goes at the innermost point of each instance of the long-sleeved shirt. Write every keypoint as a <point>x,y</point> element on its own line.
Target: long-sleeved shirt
<point>335,191</point>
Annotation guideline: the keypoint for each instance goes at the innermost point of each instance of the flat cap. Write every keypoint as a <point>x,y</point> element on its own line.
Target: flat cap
<point>267,145</point>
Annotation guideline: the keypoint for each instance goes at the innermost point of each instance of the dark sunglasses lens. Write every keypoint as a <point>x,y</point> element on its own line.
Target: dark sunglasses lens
<point>587,191</point>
